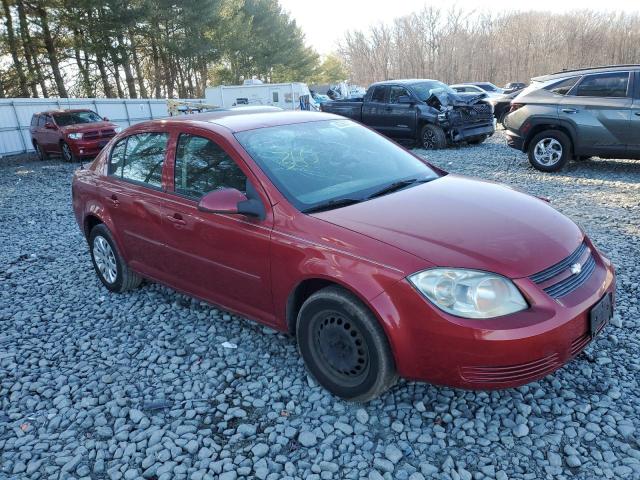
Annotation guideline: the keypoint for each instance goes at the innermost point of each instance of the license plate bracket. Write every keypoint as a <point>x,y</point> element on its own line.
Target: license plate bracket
<point>600,314</point>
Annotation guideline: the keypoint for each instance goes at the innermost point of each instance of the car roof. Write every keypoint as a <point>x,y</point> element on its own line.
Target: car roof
<point>464,85</point>
<point>585,71</point>
<point>245,118</point>
<point>404,81</point>
<point>51,112</point>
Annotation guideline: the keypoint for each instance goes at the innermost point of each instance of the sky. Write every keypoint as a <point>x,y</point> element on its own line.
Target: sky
<point>325,22</point>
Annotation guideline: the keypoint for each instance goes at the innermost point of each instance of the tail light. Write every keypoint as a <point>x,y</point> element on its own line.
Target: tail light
<point>515,106</point>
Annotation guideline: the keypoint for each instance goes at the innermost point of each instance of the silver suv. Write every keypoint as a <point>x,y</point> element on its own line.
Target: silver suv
<point>577,114</point>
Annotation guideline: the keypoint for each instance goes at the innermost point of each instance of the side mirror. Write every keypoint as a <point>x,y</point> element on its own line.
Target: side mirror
<point>49,126</point>
<point>105,119</point>
<point>406,100</point>
<point>225,200</point>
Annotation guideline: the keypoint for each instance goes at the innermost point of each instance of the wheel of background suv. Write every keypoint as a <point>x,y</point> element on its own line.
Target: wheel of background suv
<point>108,263</point>
<point>433,137</point>
<point>477,140</point>
<point>344,346</point>
<point>42,155</point>
<point>550,150</point>
<point>67,153</point>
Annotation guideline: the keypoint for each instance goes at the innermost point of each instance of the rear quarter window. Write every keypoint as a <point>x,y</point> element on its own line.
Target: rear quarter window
<point>563,86</point>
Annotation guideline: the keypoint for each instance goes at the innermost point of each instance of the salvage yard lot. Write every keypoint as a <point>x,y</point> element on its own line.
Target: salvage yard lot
<point>99,385</point>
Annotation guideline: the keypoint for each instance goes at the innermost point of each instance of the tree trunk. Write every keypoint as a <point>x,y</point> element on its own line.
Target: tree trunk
<point>84,72</point>
<point>106,85</point>
<point>51,51</point>
<point>126,66</point>
<point>29,47</point>
<point>116,73</point>
<point>156,69</point>
<point>13,48</point>
<point>136,64</point>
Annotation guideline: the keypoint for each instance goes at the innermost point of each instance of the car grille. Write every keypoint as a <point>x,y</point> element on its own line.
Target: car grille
<point>512,373</point>
<point>481,112</point>
<point>96,134</point>
<point>567,281</point>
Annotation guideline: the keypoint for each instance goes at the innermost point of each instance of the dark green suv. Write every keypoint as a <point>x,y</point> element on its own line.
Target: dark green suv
<point>577,114</point>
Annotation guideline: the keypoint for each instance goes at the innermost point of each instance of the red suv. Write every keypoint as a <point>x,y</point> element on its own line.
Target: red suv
<point>380,264</point>
<point>74,134</point>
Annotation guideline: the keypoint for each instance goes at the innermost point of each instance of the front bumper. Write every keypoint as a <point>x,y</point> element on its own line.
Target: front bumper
<point>87,148</point>
<point>514,140</point>
<point>430,345</point>
<point>462,133</point>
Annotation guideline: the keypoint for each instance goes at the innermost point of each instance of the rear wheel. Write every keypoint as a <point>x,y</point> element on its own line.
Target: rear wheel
<point>344,346</point>
<point>433,137</point>
<point>549,151</point>
<point>112,271</point>
<point>67,153</point>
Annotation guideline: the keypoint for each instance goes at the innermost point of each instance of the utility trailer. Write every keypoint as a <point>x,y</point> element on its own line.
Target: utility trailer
<point>288,96</point>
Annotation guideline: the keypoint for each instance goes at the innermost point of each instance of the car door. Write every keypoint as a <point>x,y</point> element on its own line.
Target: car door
<point>633,149</point>
<point>133,194</point>
<point>374,109</point>
<point>399,118</point>
<point>599,109</point>
<point>222,258</point>
<point>49,134</point>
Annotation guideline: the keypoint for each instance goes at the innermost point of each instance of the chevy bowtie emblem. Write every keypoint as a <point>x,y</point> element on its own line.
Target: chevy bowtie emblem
<point>576,268</point>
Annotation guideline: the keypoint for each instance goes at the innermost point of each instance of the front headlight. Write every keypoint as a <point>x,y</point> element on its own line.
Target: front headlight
<point>469,293</point>
<point>75,136</point>
<point>117,129</point>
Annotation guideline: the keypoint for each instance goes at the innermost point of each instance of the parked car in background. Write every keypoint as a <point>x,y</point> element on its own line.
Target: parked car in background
<point>514,87</point>
<point>502,105</point>
<point>74,134</point>
<point>427,111</point>
<point>577,114</point>
<point>475,89</point>
<point>380,264</point>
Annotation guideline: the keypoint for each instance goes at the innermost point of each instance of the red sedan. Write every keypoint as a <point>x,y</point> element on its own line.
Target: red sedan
<point>380,264</point>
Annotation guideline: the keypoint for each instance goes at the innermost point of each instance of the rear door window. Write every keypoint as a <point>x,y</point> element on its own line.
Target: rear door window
<point>139,158</point>
<point>613,84</point>
<point>202,166</point>
<point>379,94</point>
<point>563,86</point>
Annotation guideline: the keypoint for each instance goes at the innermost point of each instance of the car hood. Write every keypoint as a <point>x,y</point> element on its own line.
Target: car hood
<point>86,127</point>
<point>457,221</point>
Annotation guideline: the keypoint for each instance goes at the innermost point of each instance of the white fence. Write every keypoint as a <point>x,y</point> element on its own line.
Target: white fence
<point>15,115</point>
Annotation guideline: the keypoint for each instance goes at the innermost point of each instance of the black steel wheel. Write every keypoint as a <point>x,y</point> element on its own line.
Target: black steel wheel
<point>344,346</point>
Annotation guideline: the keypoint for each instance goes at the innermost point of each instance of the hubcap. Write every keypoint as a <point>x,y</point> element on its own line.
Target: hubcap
<point>548,151</point>
<point>342,347</point>
<point>105,259</point>
<point>428,139</point>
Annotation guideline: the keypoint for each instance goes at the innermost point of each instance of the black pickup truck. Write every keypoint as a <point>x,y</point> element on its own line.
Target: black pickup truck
<point>425,110</point>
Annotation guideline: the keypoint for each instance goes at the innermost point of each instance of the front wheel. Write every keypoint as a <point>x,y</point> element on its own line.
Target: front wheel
<point>67,153</point>
<point>110,267</point>
<point>433,137</point>
<point>549,151</point>
<point>344,346</point>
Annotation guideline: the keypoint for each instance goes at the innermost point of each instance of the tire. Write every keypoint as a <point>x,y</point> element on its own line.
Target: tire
<point>550,150</point>
<point>502,116</point>
<point>67,154</point>
<point>477,140</point>
<point>42,155</point>
<point>432,137</point>
<point>109,265</point>
<point>344,346</point>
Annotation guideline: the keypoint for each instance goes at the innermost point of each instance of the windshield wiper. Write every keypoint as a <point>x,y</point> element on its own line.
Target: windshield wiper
<point>395,186</point>
<point>331,204</point>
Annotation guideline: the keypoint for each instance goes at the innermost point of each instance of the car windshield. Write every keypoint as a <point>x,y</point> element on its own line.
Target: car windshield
<point>425,89</point>
<point>331,162</point>
<point>72,118</point>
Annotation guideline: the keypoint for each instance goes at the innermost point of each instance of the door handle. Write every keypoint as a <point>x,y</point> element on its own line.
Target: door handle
<point>114,200</point>
<point>570,110</point>
<point>176,219</point>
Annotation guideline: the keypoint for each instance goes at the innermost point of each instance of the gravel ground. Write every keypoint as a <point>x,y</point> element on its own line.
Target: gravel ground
<point>98,385</point>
